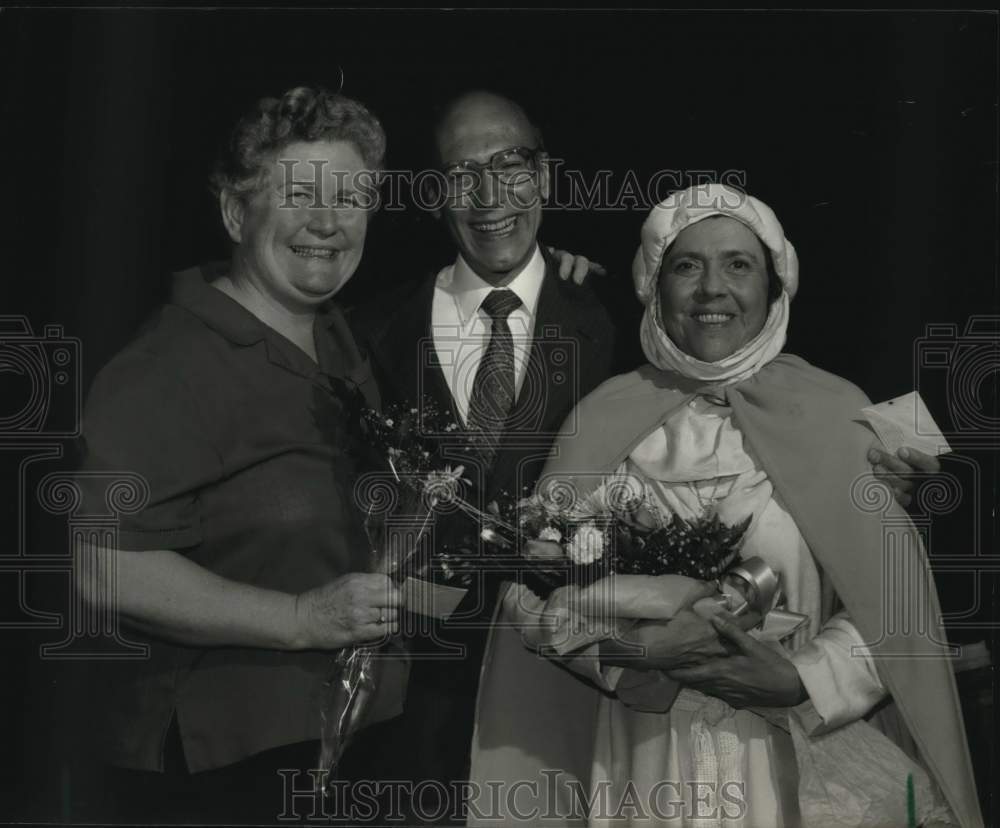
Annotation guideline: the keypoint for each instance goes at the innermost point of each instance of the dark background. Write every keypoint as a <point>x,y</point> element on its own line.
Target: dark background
<point>872,135</point>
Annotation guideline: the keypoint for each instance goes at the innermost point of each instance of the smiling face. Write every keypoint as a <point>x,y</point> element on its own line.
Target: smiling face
<point>713,288</point>
<point>300,237</point>
<point>494,227</point>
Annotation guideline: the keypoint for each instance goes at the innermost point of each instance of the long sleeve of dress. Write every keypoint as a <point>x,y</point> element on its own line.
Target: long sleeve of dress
<point>552,633</point>
<point>840,676</point>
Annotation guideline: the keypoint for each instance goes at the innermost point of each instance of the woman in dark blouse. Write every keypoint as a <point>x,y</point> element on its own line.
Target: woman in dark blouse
<point>245,567</point>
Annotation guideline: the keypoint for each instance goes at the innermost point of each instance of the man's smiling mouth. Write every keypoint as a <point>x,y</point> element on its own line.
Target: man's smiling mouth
<point>496,229</point>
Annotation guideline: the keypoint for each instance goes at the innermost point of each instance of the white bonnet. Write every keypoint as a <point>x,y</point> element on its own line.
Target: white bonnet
<point>686,207</point>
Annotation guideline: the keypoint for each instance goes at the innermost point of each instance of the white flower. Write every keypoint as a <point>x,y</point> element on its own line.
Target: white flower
<point>587,545</point>
<point>550,533</point>
<point>389,422</point>
<point>441,487</point>
<point>538,507</point>
<point>589,506</point>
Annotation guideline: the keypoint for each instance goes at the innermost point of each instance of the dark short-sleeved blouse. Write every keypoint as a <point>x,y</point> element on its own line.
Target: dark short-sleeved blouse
<point>249,451</point>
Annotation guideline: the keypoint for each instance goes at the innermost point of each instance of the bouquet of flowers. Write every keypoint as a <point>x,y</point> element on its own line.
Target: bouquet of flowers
<point>617,530</point>
<point>614,555</point>
<point>399,503</point>
<point>614,538</point>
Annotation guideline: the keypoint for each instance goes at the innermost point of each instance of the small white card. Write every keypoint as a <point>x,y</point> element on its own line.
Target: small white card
<point>432,600</point>
<point>905,421</point>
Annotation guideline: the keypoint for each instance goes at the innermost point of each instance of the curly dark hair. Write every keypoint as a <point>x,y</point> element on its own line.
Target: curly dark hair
<point>301,114</point>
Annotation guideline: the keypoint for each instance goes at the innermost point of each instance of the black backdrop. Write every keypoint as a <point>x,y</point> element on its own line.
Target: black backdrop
<point>873,135</point>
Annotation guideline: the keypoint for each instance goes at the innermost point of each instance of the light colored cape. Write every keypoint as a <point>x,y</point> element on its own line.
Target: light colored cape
<point>536,721</point>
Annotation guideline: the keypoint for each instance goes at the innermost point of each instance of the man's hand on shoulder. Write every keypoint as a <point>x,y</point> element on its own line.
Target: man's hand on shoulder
<point>903,470</point>
<point>577,267</point>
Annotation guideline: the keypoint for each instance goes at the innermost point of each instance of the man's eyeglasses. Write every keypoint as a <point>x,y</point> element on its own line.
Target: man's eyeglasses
<point>512,167</point>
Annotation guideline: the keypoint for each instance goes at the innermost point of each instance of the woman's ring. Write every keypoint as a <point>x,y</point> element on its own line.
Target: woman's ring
<point>381,618</point>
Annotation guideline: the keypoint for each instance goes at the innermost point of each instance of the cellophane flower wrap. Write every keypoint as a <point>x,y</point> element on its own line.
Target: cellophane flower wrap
<point>398,501</point>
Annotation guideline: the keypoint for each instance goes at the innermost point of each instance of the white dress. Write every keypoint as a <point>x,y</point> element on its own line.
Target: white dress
<point>703,763</point>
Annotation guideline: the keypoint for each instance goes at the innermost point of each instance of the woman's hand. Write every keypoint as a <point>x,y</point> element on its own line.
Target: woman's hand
<point>752,675</point>
<point>167,595</point>
<point>686,640</point>
<point>353,609</point>
<point>643,597</point>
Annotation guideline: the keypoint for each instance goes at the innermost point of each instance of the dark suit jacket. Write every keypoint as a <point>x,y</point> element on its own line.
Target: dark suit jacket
<point>575,348</point>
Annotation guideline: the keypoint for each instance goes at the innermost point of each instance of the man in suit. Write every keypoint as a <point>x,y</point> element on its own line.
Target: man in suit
<point>505,344</point>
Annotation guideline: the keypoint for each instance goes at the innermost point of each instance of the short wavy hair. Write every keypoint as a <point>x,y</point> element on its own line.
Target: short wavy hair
<point>300,114</point>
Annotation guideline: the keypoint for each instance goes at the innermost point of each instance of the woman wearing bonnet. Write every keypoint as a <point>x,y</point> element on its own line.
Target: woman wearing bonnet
<point>715,726</point>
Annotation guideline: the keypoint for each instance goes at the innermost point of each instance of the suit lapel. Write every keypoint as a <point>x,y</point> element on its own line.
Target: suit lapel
<point>561,330</point>
<point>406,355</point>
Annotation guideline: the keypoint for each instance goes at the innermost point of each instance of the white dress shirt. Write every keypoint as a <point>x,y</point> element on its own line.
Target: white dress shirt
<point>461,328</point>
